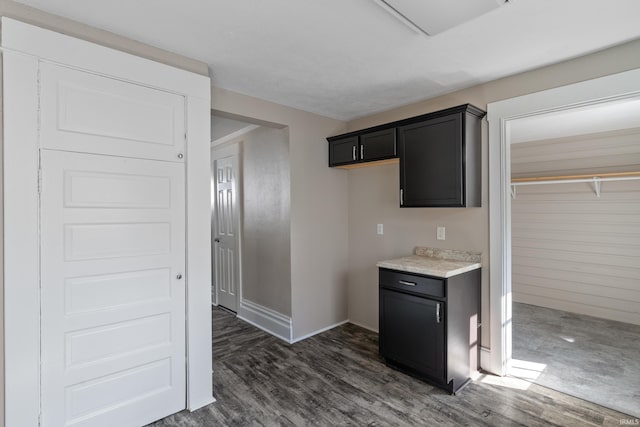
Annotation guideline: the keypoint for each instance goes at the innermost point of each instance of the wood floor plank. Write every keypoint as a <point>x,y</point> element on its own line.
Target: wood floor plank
<point>338,379</point>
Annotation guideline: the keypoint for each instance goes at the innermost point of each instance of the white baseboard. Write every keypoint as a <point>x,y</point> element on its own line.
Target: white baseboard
<point>194,406</point>
<point>277,324</point>
<point>319,331</point>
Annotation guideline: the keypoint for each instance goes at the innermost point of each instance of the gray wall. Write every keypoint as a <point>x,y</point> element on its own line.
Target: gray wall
<point>319,210</point>
<point>266,237</point>
<point>571,250</point>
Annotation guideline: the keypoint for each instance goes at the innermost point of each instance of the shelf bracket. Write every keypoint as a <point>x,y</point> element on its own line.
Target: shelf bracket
<point>513,191</point>
<point>596,185</point>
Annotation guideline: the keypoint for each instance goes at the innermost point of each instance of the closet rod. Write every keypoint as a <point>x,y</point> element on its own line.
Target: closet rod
<point>595,180</point>
<point>588,177</point>
<point>591,179</point>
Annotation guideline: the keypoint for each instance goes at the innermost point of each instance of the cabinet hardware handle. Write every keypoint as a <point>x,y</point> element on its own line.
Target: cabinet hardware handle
<point>438,313</point>
<point>361,152</point>
<point>402,282</point>
<point>401,197</point>
<point>353,152</point>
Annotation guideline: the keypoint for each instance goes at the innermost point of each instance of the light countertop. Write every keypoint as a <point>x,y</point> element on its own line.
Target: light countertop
<point>435,262</point>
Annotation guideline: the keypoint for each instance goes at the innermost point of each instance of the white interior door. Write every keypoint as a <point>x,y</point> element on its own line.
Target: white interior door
<point>226,263</point>
<point>112,291</point>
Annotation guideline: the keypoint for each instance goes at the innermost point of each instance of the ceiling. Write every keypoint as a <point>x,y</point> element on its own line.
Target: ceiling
<point>222,127</point>
<point>350,58</point>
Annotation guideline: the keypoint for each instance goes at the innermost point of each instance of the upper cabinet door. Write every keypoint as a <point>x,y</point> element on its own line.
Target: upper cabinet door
<point>431,162</point>
<point>85,112</point>
<point>343,151</point>
<point>378,145</point>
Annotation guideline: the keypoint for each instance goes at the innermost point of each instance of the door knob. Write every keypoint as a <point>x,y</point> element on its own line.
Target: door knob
<point>179,276</point>
<point>216,240</point>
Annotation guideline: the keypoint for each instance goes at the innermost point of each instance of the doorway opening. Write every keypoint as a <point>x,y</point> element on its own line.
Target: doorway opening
<point>575,246</point>
<point>251,219</point>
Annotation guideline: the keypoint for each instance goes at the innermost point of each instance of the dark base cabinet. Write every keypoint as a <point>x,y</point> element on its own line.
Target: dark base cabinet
<point>429,326</point>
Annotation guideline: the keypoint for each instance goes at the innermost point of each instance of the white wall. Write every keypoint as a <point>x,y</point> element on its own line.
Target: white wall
<point>612,151</point>
<point>571,250</point>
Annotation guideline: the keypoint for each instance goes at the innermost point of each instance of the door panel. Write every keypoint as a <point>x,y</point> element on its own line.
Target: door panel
<point>342,151</point>
<point>88,113</point>
<point>113,308</point>
<point>104,291</point>
<point>226,233</point>
<point>431,166</point>
<point>378,145</point>
<point>410,332</point>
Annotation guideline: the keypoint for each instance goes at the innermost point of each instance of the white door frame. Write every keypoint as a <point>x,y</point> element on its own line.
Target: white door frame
<point>217,152</point>
<point>24,47</point>
<point>500,114</point>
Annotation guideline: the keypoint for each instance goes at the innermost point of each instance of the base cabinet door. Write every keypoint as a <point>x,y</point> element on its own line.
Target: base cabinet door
<point>412,332</point>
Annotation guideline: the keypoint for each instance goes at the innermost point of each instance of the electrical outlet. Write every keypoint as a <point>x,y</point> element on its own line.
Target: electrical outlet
<point>440,233</point>
<point>380,229</point>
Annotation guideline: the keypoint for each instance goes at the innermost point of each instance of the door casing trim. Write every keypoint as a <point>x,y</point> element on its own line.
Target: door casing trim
<point>500,115</point>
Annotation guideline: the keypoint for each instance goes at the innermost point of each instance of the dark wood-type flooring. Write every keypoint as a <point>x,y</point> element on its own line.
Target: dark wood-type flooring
<point>337,378</point>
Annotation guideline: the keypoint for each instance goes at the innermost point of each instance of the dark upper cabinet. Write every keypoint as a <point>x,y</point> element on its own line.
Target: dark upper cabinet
<point>440,155</point>
<point>367,147</point>
<point>440,161</point>
<point>378,145</point>
<point>343,151</point>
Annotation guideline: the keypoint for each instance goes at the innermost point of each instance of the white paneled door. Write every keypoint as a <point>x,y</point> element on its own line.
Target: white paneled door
<point>226,264</point>
<point>107,260</point>
<point>112,289</point>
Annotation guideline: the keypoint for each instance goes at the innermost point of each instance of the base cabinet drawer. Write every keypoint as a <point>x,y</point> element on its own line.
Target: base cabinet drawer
<point>412,283</point>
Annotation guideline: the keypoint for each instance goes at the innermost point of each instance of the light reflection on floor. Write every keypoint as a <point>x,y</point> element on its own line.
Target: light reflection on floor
<point>522,374</point>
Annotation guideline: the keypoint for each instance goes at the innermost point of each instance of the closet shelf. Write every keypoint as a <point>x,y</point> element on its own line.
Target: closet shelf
<point>595,179</point>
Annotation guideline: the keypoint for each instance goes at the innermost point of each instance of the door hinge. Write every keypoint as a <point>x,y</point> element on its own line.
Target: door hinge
<point>39,419</point>
<point>39,181</point>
